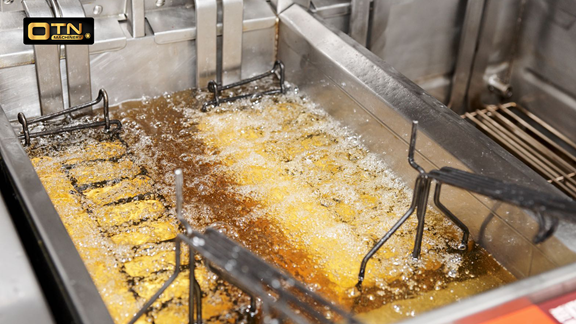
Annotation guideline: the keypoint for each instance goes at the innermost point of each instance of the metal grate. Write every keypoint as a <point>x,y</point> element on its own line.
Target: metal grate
<point>532,140</point>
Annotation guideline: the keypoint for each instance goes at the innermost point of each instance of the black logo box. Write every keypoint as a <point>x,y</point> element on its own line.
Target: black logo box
<point>87,30</point>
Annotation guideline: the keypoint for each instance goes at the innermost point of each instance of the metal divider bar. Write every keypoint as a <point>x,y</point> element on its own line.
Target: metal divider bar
<point>359,20</point>
<point>77,57</point>
<point>232,20</point>
<point>47,59</point>
<point>135,14</point>
<point>206,45</point>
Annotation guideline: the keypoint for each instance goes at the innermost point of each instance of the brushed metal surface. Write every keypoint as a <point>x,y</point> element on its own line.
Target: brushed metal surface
<point>77,58</point>
<point>206,43</point>
<point>232,21</point>
<point>21,298</point>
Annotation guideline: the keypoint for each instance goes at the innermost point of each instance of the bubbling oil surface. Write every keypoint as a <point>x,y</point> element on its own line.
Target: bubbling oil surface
<point>291,135</point>
<point>294,186</point>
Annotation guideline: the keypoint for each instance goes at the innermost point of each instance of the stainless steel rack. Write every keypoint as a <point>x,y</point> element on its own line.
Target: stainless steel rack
<point>102,96</point>
<point>532,140</point>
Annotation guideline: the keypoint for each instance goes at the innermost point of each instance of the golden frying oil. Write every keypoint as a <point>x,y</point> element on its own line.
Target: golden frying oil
<point>283,179</point>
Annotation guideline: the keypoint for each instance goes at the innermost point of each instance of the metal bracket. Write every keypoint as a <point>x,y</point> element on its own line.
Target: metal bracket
<point>102,97</point>
<point>359,20</point>
<point>232,23</point>
<point>281,5</point>
<point>47,58</point>
<point>135,14</point>
<point>77,57</point>
<point>206,50</point>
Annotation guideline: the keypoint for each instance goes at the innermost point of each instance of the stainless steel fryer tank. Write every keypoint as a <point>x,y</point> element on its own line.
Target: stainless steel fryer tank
<point>352,84</point>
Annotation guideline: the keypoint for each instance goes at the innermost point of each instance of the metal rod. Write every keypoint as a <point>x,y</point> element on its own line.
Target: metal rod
<point>453,218</point>
<point>102,96</point>
<point>520,151</point>
<point>421,215</point>
<point>553,170</point>
<point>543,150</point>
<point>412,148</point>
<point>543,124</point>
<point>216,89</point>
<point>537,132</point>
<point>496,189</point>
<point>179,179</point>
<point>167,284</point>
<point>391,231</point>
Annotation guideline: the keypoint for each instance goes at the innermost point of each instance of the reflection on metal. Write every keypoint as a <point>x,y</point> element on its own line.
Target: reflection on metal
<point>277,70</point>
<point>248,272</point>
<point>47,58</point>
<point>465,56</point>
<point>556,207</point>
<point>536,143</point>
<point>232,18</point>
<point>359,20</point>
<point>135,16</point>
<point>281,5</point>
<point>102,96</point>
<point>206,53</point>
<point>496,85</point>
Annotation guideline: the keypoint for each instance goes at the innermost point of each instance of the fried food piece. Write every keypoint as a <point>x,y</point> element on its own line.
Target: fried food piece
<point>124,189</point>
<point>154,261</point>
<point>96,151</point>
<point>147,287</point>
<point>150,232</point>
<point>215,304</point>
<point>98,171</point>
<point>134,211</point>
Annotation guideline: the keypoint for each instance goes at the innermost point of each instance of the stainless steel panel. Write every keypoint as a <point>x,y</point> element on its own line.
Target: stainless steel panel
<point>141,69</point>
<point>21,299</point>
<point>544,70</point>
<point>13,51</point>
<point>359,21</point>
<point>418,37</point>
<point>109,36</point>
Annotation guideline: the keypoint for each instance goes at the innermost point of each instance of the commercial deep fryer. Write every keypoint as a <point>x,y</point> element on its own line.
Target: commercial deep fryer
<point>148,48</point>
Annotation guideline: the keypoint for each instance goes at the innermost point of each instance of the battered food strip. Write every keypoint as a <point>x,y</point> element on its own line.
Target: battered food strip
<point>131,212</point>
<point>102,267</point>
<point>125,189</point>
<point>315,188</point>
<point>98,171</point>
<point>149,232</point>
<point>93,151</point>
